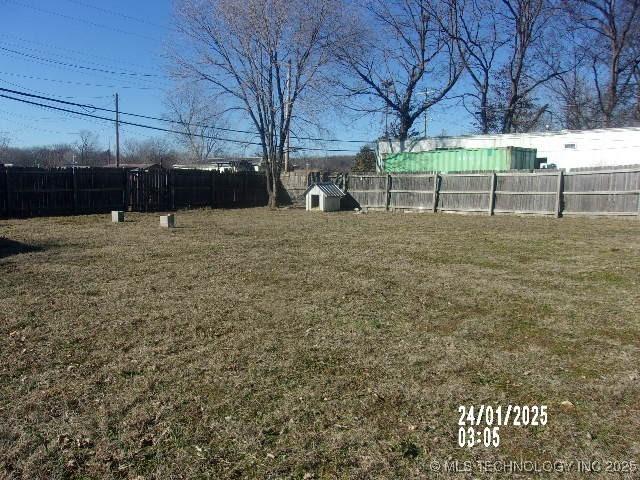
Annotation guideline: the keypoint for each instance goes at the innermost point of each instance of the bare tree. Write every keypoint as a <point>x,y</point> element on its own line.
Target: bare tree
<point>576,106</point>
<point>262,55</point>
<point>609,30</point>
<point>405,64</point>
<point>480,37</point>
<point>532,61</point>
<point>151,150</point>
<point>86,147</point>
<point>197,117</point>
<point>4,147</point>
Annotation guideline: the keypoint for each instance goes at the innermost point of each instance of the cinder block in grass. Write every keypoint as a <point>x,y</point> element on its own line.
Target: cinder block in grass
<point>168,221</point>
<point>117,216</point>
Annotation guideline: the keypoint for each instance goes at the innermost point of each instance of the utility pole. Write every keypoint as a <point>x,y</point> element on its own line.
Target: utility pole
<point>117,133</point>
<point>286,152</point>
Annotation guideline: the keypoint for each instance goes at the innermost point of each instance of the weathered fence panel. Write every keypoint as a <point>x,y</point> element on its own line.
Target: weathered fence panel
<point>550,192</point>
<point>415,192</point>
<point>295,183</point>
<point>602,192</point>
<point>370,190</point>
<point>526,193</point>
<point>464,192</point>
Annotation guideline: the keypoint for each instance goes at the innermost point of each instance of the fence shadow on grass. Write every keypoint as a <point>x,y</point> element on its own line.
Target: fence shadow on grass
<point>10,247</point>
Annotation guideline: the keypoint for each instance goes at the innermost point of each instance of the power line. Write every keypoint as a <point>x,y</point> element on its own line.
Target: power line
<point>82,53</point>
<point>81,20</point>
<point>118,14</point>
<point>149,117</point>
<point>83,67</point>
<point>56,56</point>
<point>68,82</point>
<point>150,127</point>
<point>56,96</point>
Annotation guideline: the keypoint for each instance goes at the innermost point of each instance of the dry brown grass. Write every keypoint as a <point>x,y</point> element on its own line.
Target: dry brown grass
<point>252,343</point>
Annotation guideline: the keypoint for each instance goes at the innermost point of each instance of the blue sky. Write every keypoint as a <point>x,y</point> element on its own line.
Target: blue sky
<point>129,37</point>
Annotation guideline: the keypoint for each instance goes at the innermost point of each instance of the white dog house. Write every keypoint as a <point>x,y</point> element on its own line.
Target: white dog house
<point>324,196</point>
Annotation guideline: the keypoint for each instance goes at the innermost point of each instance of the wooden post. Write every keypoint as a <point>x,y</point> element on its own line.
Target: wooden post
<point>211,189</point>
<point>436,189</point>
<point>559,194</point>
<point>125,190</point>
<point>214,189</point>
<point>171,177</point>
<point>74,181</point>
<point>492,193</point>
<point>388,192</point>
<point>6,192</point>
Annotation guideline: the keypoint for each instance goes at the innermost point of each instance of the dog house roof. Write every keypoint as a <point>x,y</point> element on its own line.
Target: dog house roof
<point>330,189</point>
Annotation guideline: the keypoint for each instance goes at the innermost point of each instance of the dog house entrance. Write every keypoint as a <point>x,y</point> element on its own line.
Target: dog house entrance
<point>315,201</point>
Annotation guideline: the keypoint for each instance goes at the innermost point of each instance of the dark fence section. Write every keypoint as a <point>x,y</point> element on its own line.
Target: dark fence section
<point>147,190</point>
<point>98,190</point>
<point>239,190</point>
<point>29,192</point>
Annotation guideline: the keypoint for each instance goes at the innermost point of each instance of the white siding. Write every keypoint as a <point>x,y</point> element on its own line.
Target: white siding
<point>567,149</point>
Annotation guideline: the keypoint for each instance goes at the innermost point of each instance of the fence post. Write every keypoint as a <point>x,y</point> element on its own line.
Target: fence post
<point>559,193</point>
<point>436,190</point>
<point>492,193</point>
<point>6,191</point>
<point>171,174</point>
<point>388,192</point>
<point>125,190</point>
<point>74,182</point>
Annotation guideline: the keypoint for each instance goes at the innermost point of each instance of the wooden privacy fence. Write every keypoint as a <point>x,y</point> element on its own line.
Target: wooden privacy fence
<point>551,192</point>
<point>295,183</point>
<point>27,192</point>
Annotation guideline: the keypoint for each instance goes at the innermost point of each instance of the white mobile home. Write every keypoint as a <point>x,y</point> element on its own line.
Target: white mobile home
<point>324,196</point>
<point>566,149</point>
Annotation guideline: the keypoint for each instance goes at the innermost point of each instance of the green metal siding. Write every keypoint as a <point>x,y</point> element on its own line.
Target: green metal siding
<point>462,160</point>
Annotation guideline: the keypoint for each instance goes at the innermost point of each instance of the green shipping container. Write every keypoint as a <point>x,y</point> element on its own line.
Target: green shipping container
<point>462,160</point>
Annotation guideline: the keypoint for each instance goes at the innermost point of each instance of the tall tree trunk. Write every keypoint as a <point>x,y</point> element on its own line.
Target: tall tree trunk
<point>403,132</point>
<point>484,105</point>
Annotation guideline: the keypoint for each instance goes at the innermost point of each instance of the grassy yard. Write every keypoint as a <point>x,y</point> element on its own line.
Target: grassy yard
<point>252,343</point>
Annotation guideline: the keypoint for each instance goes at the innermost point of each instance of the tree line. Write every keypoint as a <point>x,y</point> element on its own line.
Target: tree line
<point>87,151</point>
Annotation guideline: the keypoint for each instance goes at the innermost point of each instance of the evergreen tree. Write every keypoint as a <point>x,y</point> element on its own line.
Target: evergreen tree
<point>365,160</point>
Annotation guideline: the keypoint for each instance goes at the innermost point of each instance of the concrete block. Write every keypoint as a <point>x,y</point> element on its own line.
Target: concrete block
<point>117,216</point>
<point>168,221</point>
